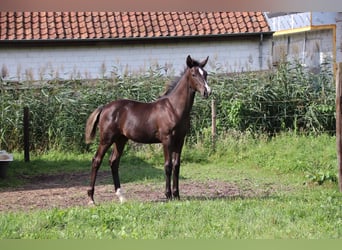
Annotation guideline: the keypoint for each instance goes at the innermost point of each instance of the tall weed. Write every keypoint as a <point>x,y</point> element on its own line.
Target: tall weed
<point>289,98</point>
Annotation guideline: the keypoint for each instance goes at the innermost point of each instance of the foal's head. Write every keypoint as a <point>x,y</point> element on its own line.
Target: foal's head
<point>198,76</point>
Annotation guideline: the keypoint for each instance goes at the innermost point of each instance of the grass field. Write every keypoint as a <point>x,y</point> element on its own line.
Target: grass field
<point>291,181</point>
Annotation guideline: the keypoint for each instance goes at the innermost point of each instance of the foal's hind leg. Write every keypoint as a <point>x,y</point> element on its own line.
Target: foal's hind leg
<point>114,162</point>
<point>96,163</point>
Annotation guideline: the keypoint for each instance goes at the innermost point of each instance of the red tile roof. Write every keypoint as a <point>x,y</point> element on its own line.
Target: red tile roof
<point>99,25</point>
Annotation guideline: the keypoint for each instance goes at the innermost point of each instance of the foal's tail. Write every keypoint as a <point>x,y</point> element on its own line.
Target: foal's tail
<point>92,122</point>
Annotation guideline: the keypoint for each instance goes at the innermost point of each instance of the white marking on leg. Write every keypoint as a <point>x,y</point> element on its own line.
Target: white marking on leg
<point>119,193</point>
<point>91,203</point>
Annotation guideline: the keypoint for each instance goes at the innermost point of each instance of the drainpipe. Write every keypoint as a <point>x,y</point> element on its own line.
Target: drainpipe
<point>260,50</point>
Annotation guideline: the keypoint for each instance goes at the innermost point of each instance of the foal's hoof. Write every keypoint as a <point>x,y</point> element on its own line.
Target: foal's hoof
<point>175,195</point>
<point>168,196</point>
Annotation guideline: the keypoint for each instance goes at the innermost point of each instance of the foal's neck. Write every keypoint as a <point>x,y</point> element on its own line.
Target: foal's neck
<point>182,97</point>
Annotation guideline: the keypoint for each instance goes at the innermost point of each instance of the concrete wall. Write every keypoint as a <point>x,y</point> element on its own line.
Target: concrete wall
<point>339,37</point>
<point>323,18</point>
<point>25,62</point>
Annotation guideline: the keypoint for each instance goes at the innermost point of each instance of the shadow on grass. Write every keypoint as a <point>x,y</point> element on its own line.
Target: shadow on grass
<point>46,173</point>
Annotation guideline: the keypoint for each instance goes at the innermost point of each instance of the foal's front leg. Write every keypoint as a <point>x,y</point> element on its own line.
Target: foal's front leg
<point>175,181</point>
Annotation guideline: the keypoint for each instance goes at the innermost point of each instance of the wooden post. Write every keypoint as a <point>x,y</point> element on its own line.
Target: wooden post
<point>339,122</point>
<point>213,122</point>
<point>26,134</point>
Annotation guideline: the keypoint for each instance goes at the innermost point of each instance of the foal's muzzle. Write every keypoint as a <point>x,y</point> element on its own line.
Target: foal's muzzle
<point>206,92</point>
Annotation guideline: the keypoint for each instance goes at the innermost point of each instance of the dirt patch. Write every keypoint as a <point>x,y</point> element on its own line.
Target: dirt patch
<point>69,190</point>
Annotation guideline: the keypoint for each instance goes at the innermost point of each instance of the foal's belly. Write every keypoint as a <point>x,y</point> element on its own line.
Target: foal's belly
<point>143,135</point>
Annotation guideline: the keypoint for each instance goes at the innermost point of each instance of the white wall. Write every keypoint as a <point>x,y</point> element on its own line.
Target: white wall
<point>70,62</point>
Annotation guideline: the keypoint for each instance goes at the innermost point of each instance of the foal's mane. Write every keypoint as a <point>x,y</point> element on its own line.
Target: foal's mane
<point>171,85</point>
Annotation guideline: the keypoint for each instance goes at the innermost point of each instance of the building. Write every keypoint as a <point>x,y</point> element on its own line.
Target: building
<point>39,46</point>
<point>312,38</point>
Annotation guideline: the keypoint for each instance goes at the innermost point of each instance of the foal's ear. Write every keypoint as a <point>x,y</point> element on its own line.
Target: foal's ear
<point>189,62</point>
<point>204,62</point>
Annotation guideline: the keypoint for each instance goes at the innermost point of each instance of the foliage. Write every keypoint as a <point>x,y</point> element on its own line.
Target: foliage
<point>289,98</point>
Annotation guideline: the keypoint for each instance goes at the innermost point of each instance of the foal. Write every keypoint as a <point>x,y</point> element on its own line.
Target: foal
<point>164,121</point>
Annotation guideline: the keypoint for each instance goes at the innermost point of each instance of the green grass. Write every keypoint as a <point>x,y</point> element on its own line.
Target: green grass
<point>285,201</point>
<point>308,216</point>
